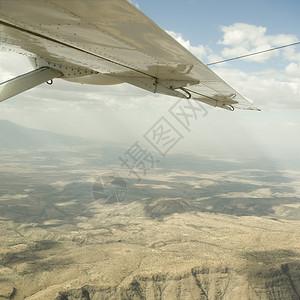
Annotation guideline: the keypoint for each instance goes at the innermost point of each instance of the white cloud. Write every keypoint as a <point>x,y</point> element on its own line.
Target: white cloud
<point>293,70</point>
<point>199,51</point>
<point>241,38</point>
<point>291,54</point>
<point>133,2</point>
<point>109,112</point>
<point>242,34</point>
<point>269,89</point>
<point>212,58</point>
<point>13,64</point>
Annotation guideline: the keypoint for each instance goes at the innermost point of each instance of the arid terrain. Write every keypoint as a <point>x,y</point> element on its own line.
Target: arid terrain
<point>195,228</point>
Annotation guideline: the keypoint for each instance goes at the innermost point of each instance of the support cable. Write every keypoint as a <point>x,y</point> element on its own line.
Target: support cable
<point>251,54</point>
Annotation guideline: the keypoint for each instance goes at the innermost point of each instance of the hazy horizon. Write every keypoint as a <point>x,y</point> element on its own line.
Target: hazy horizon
<point>112,192</point>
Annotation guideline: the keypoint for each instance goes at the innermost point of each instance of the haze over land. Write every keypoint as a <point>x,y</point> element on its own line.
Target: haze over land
<point>192,227</point>
<point>217,217</point>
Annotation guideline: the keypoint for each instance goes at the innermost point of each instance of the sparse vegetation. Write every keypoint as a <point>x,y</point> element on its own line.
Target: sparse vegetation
<point>227,230</point>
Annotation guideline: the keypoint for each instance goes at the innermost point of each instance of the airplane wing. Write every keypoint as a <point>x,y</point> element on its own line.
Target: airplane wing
<point>105,42</point>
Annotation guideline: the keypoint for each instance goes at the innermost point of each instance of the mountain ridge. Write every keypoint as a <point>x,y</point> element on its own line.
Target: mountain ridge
<point>13,135</point>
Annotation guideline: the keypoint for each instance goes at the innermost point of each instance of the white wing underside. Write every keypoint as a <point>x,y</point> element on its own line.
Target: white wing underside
<point>86,39</point>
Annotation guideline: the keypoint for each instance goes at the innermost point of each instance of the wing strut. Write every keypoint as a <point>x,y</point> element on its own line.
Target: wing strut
<point>26,81</point>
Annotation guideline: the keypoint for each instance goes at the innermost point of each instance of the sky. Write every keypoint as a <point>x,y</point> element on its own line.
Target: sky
<point>212,30</point>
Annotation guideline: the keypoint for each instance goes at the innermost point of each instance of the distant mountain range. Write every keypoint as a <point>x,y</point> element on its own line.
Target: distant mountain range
<point>13,136</point>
